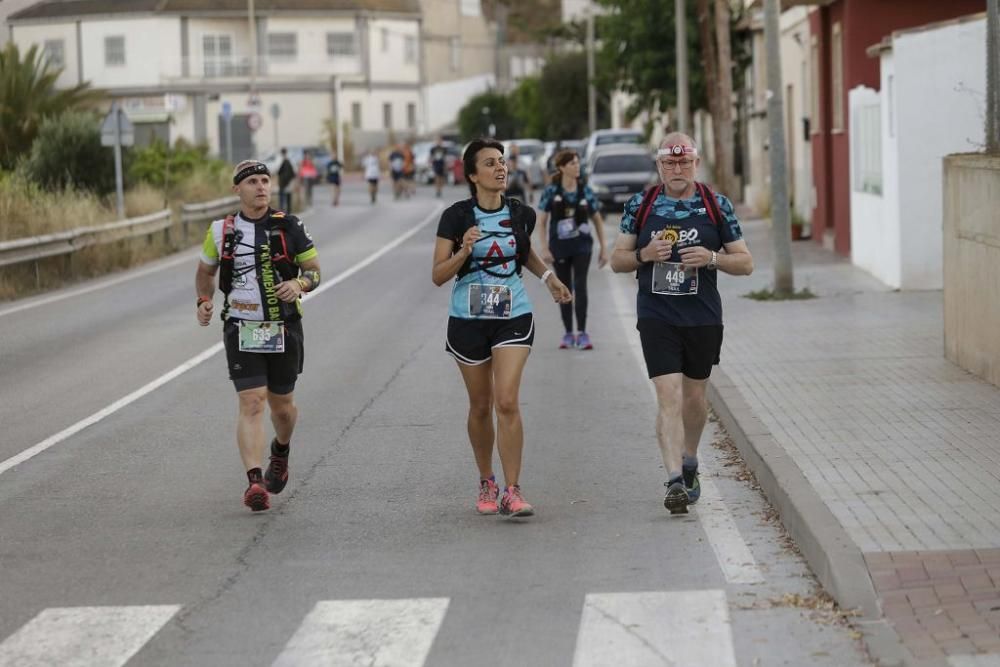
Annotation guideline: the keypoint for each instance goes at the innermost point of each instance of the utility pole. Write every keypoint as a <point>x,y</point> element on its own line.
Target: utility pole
<point>680,37</point>
<point>253,47</point>
<point>591,89</point>
<point>781,230</point>
<point>993,77</point>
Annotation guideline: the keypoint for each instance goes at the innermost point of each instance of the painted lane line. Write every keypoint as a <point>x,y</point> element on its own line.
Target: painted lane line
<point>188,256</point>
<point>378,633</point>
<point>655,629</point>
<point>84,636</point>
<point>982,660</point>
<point>731,550</point>
<point>69,431</point>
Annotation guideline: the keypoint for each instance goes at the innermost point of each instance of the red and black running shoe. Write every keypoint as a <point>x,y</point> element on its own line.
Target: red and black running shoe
<point>256,497</point>
<point>276,475</point>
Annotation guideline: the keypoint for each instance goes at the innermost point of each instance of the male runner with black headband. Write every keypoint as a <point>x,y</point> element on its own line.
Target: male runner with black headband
<point>266,261</point>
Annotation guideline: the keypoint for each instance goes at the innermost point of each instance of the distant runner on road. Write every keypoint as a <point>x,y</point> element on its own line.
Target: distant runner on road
<point>677,236</point>
<point>266,261</point>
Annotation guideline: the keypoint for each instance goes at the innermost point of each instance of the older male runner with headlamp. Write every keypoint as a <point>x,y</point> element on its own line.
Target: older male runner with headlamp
<point>677,236</point>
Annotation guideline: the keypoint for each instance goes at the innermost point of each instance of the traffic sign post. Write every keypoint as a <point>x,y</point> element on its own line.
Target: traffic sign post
<point>275,115</point>
<point>227,116</point>
<point>117,131</point>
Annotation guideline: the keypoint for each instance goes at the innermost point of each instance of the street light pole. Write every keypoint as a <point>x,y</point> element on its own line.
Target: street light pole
<point>680,39</point>
<point>253,48</point>
<point>591,89</point>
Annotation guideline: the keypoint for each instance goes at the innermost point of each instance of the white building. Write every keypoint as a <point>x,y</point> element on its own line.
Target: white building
<point>178,66</point>
<point>798,82</point>
<point>932,103</point>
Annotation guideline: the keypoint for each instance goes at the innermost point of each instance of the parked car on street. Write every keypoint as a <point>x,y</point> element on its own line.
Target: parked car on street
<point>529,152</point>
<point>618,172</point>
<point>607,138</point>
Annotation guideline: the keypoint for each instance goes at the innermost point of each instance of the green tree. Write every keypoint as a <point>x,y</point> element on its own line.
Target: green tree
<point>479,112</point>
<point>67,152</point>
<point>563,97</point>
<point>525,101</point>
<point>165,167</point>
<point>28,96</point>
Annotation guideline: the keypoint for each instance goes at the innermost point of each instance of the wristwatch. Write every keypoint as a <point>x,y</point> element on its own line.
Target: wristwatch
<point>713,264</point>
<point>638,256</point>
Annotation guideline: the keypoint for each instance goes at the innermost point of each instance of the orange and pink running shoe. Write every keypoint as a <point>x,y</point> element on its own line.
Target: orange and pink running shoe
<point>513,505</point>
<point>488,493</point>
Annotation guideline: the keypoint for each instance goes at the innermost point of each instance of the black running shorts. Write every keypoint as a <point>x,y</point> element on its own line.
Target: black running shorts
<point>672,349</point>
<point>471,342</point>
<point>277,372</point>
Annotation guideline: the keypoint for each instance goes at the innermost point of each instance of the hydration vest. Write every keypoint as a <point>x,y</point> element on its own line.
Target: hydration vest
<point>519,227</point>
<point>581,210</point>
<point>281,260</point>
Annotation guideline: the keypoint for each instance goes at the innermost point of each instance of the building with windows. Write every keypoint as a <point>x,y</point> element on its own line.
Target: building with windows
<point>206,72</point>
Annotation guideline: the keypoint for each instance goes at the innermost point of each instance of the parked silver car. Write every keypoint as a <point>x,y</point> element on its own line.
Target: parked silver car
<point>618,172</point>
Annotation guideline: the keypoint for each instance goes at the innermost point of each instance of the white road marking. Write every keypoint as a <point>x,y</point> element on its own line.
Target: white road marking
<point>731,550</point>
<point>655,629</point>
<point>84,636</point>
<point>377,633</point>
<point>189,256</point>
<point>40,447</point>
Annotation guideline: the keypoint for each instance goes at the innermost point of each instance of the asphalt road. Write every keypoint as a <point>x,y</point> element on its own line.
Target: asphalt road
<point>123,538</point>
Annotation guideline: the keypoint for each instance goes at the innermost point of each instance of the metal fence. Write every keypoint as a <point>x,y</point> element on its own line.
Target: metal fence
<point>37,248</point>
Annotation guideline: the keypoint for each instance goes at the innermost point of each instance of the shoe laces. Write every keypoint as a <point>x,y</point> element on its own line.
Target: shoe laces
<point>514,495</point>
<point>485,492</point>
<point>279,464</point>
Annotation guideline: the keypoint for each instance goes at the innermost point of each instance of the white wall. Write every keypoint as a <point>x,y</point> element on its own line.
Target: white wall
<point>796,72</point>
<point>939,109</point>
<point>300,122</point>
<point>146,40</point>
<point>933,104</point>
<point>445,99</point>
<point>312,58</point>
<point>26,36</point>
<point>372,102</point>
<point>389,65</point>
<point>874,219</point>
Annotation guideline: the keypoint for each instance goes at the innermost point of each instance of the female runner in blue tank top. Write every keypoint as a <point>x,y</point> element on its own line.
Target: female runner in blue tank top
<point>483,243</point>
<point>568,243</point>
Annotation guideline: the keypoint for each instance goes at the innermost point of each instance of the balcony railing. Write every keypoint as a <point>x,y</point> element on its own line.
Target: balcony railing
<point>239,66</point>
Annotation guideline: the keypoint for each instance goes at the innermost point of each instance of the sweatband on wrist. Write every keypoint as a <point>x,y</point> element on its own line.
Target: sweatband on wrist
<point>545,276</point>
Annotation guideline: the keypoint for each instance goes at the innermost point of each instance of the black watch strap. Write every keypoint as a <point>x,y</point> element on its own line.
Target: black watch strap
<point>638,256</point>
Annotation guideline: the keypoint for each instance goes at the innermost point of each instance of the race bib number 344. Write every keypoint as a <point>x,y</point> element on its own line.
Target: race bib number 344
<point>490,301</point>
<point>673,279</point>
<point>267,337</point>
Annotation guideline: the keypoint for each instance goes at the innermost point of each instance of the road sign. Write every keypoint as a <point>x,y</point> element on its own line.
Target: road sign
<point>125,128</point>
<point>254,99</point>
<point>275,111</point>
<point>227,111</point>
<point>253,121</point>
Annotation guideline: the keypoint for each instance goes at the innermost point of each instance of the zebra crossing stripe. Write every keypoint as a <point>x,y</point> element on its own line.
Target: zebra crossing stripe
<point>84,636</point>
<point>376,633</point>
<point>655,629</point>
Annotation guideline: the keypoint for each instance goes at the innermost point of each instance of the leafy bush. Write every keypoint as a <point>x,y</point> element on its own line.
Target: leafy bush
<point>67,153</point>
<point>473,123</point>
<point>165,167</point>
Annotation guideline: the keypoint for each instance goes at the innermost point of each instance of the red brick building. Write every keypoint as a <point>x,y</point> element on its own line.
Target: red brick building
<point>841,32</point>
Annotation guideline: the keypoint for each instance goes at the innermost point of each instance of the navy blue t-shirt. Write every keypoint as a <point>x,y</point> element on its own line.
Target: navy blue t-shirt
<point>668,291</point>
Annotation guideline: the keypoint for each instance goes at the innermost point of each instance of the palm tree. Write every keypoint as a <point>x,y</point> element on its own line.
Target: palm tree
<point>28,94</point>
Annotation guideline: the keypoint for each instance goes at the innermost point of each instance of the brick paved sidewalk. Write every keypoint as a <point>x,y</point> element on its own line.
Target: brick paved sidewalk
<point>901,445</point>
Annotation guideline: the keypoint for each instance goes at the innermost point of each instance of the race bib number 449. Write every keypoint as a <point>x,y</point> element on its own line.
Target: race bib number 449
<point>673,279</point>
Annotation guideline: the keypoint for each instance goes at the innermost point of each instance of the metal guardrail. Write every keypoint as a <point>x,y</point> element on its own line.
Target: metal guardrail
<point>36,248</point>
<point>61,243</point>
<point>207,211</point>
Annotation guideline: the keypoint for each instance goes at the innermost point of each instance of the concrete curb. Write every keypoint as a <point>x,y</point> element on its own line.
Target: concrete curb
<point>834,558</point>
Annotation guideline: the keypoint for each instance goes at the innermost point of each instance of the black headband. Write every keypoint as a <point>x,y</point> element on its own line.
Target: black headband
<point>250,170</point>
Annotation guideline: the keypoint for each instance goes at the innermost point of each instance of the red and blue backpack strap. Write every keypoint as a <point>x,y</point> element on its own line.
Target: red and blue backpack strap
<point>711,204</point>
<point>648,198</point>
<point>228,237</point>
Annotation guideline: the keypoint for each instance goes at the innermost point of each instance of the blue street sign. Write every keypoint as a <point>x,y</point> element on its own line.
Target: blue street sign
<point>227,111</point>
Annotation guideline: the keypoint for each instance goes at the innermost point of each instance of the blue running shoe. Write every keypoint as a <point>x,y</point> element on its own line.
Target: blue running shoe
<point>691,483</point>
<point>568,342</point>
